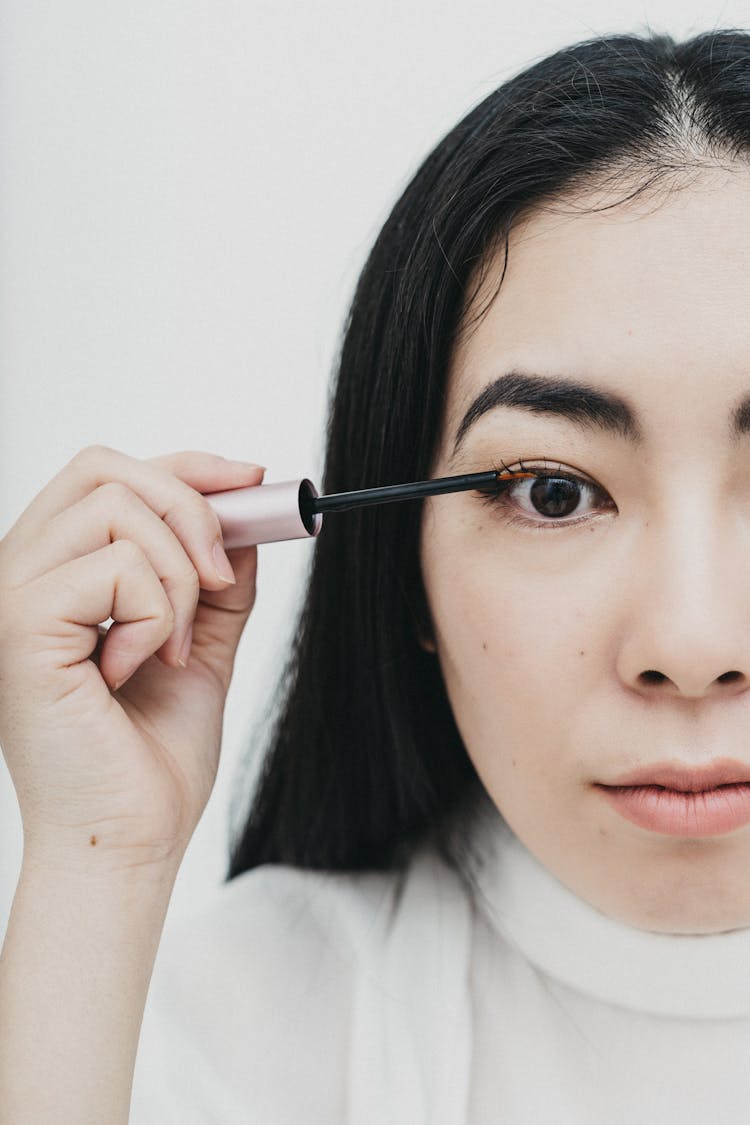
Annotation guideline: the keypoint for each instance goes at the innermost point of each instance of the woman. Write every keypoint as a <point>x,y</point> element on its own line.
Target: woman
<point>496,865</point>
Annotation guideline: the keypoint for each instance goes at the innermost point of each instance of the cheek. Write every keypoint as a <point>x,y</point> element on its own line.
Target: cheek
<point>515,652</point>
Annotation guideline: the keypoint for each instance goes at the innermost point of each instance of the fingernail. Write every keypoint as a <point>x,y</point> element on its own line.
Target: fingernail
<point>185,650</point>
<point>248,465</point>
<point>223,566</point>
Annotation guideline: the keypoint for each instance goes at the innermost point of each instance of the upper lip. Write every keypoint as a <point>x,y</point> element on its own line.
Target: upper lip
<point>688,779</point>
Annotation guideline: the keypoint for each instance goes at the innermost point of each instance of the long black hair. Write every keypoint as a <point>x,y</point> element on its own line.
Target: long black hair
<point>364,758</point>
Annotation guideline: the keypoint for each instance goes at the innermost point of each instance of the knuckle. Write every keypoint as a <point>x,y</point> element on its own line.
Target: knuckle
<point>128,553</point>
<point>190,578</point>
<point>172,462</point>
<point>116,491</point>
<point>185,582</point>
<point>212,521</point>
<point>195,511</point>
<point>89,453</point>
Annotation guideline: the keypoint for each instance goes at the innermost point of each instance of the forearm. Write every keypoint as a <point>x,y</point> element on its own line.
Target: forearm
<point>74,975</point>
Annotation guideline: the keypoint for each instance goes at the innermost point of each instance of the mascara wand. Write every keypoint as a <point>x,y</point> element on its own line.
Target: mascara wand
<point>271,513</point>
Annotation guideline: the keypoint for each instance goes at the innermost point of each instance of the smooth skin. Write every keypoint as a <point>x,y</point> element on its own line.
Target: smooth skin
<point>544,633</point>
<point>113,748</point>
<point>114,758</point>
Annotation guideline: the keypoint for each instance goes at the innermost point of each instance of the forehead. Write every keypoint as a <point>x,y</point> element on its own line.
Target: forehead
<point>644,297</point>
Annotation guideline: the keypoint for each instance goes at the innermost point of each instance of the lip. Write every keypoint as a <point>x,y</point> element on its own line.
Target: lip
<point>679,800</point>
<point>688,779</point>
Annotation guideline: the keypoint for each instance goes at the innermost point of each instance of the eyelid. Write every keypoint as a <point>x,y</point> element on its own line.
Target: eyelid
<point>498,497</point>
<point>542,466</point>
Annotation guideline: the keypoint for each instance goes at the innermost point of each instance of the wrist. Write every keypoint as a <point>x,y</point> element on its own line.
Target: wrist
<point>88,858</point>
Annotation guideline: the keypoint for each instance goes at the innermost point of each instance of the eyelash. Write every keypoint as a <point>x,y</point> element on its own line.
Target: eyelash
<point>497,494</point>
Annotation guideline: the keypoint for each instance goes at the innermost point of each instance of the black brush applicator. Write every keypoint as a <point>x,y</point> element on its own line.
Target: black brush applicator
<point>270,513</point>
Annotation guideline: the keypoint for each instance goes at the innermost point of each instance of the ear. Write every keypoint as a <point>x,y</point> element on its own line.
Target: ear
<point>422,621</point>
<point>424,632</point>
<point>426,640</point>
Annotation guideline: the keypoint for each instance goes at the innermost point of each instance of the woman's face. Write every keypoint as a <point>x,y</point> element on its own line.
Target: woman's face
<point>587,630</point>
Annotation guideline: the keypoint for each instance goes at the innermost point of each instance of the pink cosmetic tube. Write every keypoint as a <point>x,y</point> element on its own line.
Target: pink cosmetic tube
<point>267,513</point>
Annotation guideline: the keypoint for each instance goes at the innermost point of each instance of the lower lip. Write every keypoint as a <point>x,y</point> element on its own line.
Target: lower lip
<point>673,813</point>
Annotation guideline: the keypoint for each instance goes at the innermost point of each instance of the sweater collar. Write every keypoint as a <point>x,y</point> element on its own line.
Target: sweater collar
<point>684,975</point>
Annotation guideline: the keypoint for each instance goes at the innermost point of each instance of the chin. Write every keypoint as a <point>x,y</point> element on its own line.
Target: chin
<point>690,918</point>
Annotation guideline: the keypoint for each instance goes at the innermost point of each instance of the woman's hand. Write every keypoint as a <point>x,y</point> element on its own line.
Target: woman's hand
<point>112,746</point>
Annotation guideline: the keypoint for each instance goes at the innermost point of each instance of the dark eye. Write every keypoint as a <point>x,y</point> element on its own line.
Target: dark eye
<point>554,496</point>
<point>548,496</point>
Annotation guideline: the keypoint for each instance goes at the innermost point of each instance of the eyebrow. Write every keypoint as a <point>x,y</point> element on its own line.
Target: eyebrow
<point>572,399</point>
<point>564,397</point>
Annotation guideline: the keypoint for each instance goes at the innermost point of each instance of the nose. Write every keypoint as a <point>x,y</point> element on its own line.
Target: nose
<point>686,630</point>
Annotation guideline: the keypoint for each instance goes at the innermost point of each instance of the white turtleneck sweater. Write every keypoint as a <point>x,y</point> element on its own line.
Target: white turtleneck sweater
<point>493,995</point>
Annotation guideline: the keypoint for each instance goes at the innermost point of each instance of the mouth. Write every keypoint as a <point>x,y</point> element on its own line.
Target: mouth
<point>688,779</point>
<point>679,800</point>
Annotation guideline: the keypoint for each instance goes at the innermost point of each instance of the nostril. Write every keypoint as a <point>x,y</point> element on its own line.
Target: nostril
<point>651,676</point>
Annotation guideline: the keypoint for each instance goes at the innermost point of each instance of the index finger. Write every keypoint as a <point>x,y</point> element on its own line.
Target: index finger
<point>168,484</point>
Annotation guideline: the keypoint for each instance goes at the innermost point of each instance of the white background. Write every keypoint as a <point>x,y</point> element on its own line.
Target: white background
<point>187,193</point>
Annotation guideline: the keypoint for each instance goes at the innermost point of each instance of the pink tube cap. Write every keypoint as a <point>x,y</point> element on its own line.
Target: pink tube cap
<point>266,513</point>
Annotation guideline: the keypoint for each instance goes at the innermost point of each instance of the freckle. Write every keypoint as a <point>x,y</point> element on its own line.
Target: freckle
<point>92,841</point>
<point>582,653</point>
<point>630,331</point>
<point>514,761</point>
<point>484,645</point>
